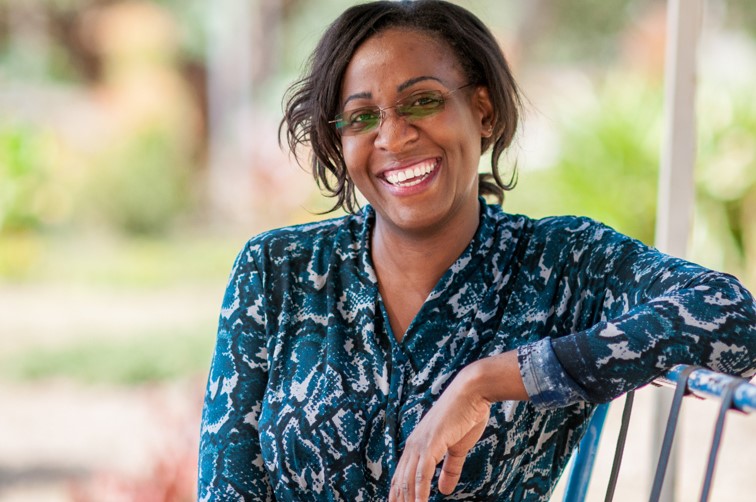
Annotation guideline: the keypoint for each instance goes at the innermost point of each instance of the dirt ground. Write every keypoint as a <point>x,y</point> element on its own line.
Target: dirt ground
<point>59,439</point>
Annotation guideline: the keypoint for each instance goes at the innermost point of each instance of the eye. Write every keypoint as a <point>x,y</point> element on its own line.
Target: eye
<point>427,100</point>
<point>362,116</point>
<point>421,104</point>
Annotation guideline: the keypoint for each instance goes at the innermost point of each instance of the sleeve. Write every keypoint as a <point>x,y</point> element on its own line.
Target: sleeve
<point>651,312</point>
<point>547,383</point>
<point>230,460</point>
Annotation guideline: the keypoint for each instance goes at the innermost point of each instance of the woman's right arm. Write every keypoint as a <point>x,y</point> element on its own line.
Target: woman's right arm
<point>230,460</point>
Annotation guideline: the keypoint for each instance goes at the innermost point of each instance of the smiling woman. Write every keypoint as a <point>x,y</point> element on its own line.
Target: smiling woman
<point>431,343</point>
<point>316,102</point>
<point>444,147</point>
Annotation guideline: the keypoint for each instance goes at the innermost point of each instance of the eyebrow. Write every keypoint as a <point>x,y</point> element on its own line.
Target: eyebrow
<point>413,81</point>
<point>401,87</point>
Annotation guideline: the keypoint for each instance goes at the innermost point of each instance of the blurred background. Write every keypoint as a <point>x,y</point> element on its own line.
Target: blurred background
<point>139,151</point>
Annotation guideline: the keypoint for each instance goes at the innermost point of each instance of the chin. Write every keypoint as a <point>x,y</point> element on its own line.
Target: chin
<point>419,219</point>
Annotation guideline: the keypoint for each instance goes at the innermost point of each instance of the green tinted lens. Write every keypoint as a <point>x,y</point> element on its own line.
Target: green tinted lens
<point>357,121</point>
<point>415,106</point>
<point>421,104</point>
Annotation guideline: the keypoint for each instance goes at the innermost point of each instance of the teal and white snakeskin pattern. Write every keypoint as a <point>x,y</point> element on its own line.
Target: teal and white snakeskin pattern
<point>310,397</point>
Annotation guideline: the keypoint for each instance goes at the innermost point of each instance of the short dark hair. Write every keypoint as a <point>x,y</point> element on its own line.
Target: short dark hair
<point>313,100</point>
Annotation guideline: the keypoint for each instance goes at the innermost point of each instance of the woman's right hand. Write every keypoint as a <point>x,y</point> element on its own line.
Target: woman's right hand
<point>452,427</point>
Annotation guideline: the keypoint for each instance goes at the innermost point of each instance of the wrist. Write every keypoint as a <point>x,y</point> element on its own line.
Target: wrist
<point>474,381</point>
<point>495,378</point>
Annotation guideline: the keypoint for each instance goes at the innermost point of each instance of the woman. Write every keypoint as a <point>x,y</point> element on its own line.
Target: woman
<point>431,343</point>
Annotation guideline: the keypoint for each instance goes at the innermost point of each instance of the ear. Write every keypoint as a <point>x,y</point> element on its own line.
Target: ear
<point>484,106</point>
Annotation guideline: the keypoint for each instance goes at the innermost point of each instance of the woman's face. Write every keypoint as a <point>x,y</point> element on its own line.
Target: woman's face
<point>420,175</point>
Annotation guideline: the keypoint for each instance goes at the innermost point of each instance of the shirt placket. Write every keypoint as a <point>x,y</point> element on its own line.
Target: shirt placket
<point>398,362</point>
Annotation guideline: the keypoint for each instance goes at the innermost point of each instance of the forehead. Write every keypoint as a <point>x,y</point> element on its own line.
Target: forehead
<point>394,56</point>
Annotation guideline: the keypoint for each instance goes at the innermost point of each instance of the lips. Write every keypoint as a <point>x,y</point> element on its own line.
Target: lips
<point>411,175</point>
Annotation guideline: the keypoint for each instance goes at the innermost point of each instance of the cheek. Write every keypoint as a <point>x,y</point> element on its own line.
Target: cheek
<point>354,157</point>
<point>463,143</point>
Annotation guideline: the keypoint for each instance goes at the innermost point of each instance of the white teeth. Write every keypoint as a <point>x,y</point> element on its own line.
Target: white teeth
<point>412,175</point>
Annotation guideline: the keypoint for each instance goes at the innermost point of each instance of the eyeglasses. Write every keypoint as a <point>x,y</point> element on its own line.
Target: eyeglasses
<point>416,106</point>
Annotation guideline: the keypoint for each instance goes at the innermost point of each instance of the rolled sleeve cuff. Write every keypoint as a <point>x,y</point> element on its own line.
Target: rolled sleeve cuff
<point>546,382</point>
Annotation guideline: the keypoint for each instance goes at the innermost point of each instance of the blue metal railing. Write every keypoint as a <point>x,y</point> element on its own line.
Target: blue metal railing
<point>708,384</point>
<point>584,457</point>
<point>737,394</point>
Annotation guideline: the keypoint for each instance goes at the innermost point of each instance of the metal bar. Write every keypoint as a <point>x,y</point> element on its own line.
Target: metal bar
<point>708,384</point>
<point>666,450</point>
<point>701,383</point>
<point>584,458</point>
<point>717,439</point>
<point>620,448</point>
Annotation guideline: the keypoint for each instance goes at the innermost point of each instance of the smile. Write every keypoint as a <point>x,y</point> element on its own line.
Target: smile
<point>412,175</point>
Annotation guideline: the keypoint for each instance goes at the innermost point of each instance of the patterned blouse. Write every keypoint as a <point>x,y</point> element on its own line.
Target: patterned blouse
<point>310,396</point>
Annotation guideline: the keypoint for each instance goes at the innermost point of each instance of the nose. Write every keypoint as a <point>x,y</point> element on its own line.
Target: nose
<point>394,131</point>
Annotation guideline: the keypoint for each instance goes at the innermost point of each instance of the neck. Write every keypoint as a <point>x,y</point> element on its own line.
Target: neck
<point>419,259</point>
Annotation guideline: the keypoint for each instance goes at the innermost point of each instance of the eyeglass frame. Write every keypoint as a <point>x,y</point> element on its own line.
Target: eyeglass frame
<point>399,102</point>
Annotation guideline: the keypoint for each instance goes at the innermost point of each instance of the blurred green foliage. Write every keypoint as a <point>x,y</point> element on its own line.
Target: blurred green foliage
<point>142,185</point>
<point>148,357</point>
<point>132,194</point>
<point>607,159</point>
<point>608,148</point>
<point>726,175</point>
<point>121,261</point>
<point>23,173</point>
<point>19,255</point>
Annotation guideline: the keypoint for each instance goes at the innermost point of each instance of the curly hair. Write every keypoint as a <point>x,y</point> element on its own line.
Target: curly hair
<point>313,100</point>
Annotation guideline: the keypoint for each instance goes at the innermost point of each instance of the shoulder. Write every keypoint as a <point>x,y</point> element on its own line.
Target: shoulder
<point>550,226</point>
<point>581,232</point>
<point>557,230</point>
<point>308,246</point>
<point>569,226</point>
<point>597,250</point>
<point>287,239</point>
<point>568,239</point>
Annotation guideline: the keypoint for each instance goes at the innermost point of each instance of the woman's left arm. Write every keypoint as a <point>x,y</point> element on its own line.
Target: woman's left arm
<point>655,312</point>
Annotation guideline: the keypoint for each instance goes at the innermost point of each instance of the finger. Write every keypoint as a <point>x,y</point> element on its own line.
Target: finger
<point>423,477</point>
<point>395,491</point>
<point>408,479</point>
<point>451,472</point>
<point>395,495</point>
<point>398,487</point>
